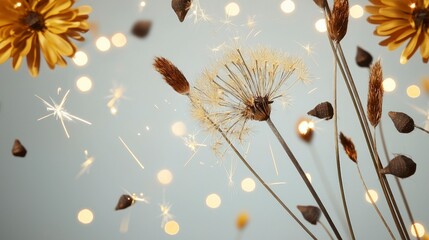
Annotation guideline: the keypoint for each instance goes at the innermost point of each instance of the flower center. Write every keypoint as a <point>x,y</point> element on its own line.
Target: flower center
<point>259,110</point>
<point>421,17</point>
<point>34,21</point>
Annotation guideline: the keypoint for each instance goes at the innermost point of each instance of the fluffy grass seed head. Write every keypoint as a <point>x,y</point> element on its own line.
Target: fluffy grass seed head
<point>242,86</point>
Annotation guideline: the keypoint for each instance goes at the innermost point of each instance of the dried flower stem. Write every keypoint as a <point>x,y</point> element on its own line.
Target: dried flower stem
<point>401,189</point>
<point>424,130</point>
<point>339,56</point>
<point>303,176</point>
<point>326,230</point>
<point>373,202</point>
<point>337,155</point>
<point>268,188</point>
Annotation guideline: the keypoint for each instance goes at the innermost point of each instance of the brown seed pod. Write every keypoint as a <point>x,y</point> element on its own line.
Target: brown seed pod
<point>349,147</point>
<point>400,166</point>
<point>403,123</point>
<point>181,8</point>
<point>141,28</point>
<point>363,58</point>
<point>310,213</point>
<point>323,110</point>
<point>320,3</point>
<point>124,202</point>
<point>172,75</point>
<point>18,150</point>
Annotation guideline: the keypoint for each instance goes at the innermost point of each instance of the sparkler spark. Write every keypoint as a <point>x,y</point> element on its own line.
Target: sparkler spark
<point>165,213</point>
<point>117,94</point>
<point>59,112</point>
<point>198,13</point>
<point>86,165</point>
<point>274,160</point>
<point>132,154</point>
<point>192,144</point>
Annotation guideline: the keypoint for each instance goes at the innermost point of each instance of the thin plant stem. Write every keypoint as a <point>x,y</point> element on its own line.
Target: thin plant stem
<point>424,130</point>
<point>326,230</point>
<point>337,155</point>
<point>401,190</point>
<point>373,202</point>
<point>250,168</point>
<point>303,176</point>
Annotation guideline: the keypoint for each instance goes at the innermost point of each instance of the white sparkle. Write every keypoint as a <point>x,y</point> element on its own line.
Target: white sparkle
<point>59,112</point>
<point>132,154</point>
<point>86,165</point>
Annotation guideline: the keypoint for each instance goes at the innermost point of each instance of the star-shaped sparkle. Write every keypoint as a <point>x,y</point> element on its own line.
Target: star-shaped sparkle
<point>59,112</point>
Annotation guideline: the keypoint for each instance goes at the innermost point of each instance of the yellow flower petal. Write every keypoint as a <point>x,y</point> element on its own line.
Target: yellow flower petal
<point>392,26</point>
<point>412,45</point>
<point>394,13</point>
<point>58,43</point>
<point>33,59</point>
<point>424,48</point>
<point>60,5</point>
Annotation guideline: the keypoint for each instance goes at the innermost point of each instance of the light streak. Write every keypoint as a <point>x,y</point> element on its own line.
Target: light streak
<point>274,160</point>
<point>132,154</point>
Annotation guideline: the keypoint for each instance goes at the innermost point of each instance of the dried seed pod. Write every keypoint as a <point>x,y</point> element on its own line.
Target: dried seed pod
<point>363,58</point>
<point>141,28</point>
<point>18,150</point>
<point>338,21</point>
<point>403,123</point>
<point>320,3</point>
<point>349,147</point>
<point>400,166</point>
<point>242,220</point>
<point>375,94</point>
<point>124,202</point>
<point>181,8</point>
<point>172,75</point>
<point>305,129</point>
<point>310,213</point>
<point>323,110</point>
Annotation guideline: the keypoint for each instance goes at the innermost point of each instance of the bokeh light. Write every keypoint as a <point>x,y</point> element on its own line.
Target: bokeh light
<point>413,91</point>
<point>242,220</point>
<point>304,126</point>
<point>232,9</point>
<point>85,216</point>
<point>142,4</point>
<point>119,40</point>
<point>248,185</point>
<point>102,44</point>
<point>420,230</point>
<point>80,58</point>
<point>165,176</point>
<point>373,194</point>
<point>321,25</point>
<point>356,11</point>
<point>389,85</point>
<point>213,200</point>
<point>84,84</point>
<point>287,6</point>
<point>171,227</point>
<point>178,128</point>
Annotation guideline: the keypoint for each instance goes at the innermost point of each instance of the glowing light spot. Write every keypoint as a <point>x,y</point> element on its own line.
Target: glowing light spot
<point>142,4</point>
<point>389,85</point>
<point>178,128</point>
<point>80,58</point>
<point>102,44</point>
<point>85,216</point>
<point>321,25</point>
<point>413,5</point>
<point>119,40</point>
<point>420,230</point>
<point>232,9</point>
<point>113,110</point>
<point>17,5</point>
<point>356,11</point>
<point>171,227</point>
<point>213,201</point>
<point>373,194</point>
<point>248,185</point>
<point>287,6</point>
<point>413,91</point>
<point>305,126</point>
<point>308,175</point>
<point>165,176</point>
<point>84,84</point>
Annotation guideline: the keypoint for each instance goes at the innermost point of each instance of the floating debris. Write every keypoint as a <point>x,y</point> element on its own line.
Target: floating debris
<point>400,166</point>
<point>349,147</point>
<point>124,202</point>
<point>181,8</point>
<point>141,28</point>
<point>363,58</point>
<point>323,110</point>
<point>310,213</point>
<point>18,150</point>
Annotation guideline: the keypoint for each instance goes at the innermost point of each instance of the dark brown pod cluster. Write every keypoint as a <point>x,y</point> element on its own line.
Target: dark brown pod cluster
<point>181,8</point>
<point>172,75</point>
<point>338,21</point>
<point>124,202</point>
<point>18,150</point>
<point>363,58</point>
<point>323,110</point>
<point>141,28</point>
<point>401,166</point>
<point>403,123</point>
<point>310,213</point>
<point>349,147</point>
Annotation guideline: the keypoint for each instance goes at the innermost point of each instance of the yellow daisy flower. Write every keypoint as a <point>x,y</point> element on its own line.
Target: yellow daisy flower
<point>401,20</point>
<point>28,26</point>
